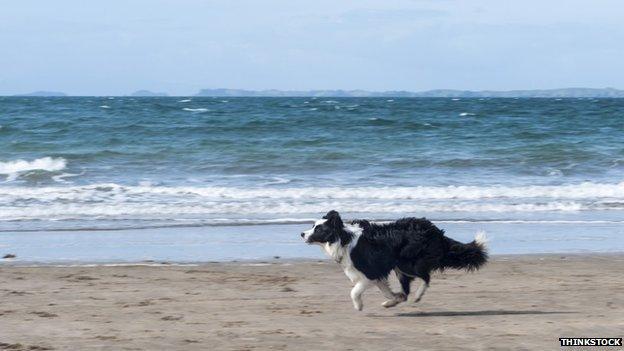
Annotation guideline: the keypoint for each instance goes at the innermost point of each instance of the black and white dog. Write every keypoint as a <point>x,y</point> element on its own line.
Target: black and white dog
<point>411,247</point>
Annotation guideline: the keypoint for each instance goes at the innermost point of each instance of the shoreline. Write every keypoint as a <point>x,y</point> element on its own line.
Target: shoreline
<point>264,242</point>
<point>274,261</point>
<point>309,221</point>
<point>515,302</point>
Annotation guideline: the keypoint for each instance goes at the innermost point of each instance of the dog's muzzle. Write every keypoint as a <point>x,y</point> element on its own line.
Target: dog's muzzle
<point>306,237</point>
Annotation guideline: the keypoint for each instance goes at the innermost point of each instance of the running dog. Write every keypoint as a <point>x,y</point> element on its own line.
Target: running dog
<point>411,247</point>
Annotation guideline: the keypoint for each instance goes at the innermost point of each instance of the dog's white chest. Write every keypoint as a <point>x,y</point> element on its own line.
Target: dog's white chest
<point>342,255</point>
<point>349,269</point>
<point>353,274</point>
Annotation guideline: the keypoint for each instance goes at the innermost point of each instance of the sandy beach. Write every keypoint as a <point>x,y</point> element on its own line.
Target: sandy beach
<point>515,302</point>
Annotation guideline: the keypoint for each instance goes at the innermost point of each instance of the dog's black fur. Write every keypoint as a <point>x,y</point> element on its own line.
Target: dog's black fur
<point>412,247</point>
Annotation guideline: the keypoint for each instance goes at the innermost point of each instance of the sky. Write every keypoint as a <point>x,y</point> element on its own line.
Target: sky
<point>115,47</point>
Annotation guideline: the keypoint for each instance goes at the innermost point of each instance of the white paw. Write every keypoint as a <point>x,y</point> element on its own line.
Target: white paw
<point>358,305</point>
<point>398,298</point>
<point>390,303</point>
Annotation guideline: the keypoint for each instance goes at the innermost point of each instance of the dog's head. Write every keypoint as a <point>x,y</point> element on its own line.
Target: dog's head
<point>330,229</point>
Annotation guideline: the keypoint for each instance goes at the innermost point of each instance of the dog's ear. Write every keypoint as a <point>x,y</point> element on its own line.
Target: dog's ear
<point>331,214</point>
<point>335,222</point>
<point>333,219</point>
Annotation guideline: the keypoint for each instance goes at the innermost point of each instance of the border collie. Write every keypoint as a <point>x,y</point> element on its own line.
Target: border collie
<point>411,247</point>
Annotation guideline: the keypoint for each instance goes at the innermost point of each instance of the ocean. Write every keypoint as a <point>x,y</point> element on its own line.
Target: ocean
<point>95,165</point>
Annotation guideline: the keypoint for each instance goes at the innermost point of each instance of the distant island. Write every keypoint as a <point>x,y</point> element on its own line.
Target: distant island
<point>43,93</point>
<point>450,93</point>
<point>441,93</point>
<point>147,93</point>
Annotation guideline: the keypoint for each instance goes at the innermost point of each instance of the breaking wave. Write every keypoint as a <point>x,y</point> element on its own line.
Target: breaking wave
<point>144,202</point>
<point>13,169</point>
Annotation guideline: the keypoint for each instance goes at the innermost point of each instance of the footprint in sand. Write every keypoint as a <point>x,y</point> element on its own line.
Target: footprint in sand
<point>171,318</point>
<point>20,347</point>
<point>43,314</point>
<point>306,312</point>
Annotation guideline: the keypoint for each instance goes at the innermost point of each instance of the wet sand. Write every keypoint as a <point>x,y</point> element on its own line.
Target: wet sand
<point>515,302</point>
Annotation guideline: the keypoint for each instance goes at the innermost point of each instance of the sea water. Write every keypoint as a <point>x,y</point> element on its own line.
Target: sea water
<point>199,164</point>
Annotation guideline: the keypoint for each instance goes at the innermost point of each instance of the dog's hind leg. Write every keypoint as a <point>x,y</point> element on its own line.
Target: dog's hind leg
<point>422,288</point>
<point>405,280</point>
<point>357,291</point>
<point>393,298</point>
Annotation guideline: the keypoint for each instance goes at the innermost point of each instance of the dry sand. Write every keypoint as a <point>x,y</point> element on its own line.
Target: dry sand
<point>515,302</point>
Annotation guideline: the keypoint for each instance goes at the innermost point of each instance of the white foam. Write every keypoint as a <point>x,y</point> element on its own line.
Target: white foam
<point>119,210</point>
<point>195,109</point>
<point>61,177</point>
<point>220,204</point>
<point>586,190</point>
<point>104,106</point>
<point>277,180</point>
<point>555,173</point>
<point>12,169</point>
<point>185,100</point>
<point>464,114</point>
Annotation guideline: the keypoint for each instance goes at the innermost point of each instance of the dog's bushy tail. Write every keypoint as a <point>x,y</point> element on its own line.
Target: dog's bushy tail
<point>471,256</point>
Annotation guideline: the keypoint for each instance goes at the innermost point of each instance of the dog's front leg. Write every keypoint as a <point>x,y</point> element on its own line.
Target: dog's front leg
<point>421,290</point>
<point>357,291</point>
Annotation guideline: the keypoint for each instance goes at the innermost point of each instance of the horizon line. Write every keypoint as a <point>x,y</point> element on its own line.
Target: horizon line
<point>236,92</point>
